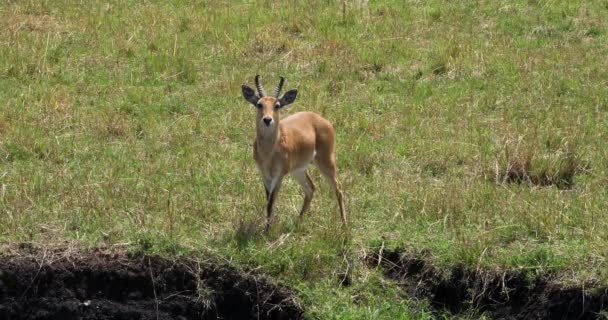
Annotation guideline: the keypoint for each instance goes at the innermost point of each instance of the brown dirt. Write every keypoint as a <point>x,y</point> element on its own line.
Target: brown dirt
<point>501,295</point>
<point>102,285</point>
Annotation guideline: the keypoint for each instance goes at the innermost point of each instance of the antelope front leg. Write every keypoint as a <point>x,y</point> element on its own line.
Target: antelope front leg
<point>271,191</point>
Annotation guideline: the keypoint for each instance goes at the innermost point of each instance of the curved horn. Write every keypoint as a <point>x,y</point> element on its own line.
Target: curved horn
<point>277,90</point>
<point>259,86</point>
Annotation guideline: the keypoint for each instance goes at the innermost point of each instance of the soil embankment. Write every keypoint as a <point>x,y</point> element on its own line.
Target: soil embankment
<point>97,285</point>
<point>499,294</point>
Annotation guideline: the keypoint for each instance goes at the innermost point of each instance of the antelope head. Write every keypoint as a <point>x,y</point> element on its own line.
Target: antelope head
<point>268,107</point>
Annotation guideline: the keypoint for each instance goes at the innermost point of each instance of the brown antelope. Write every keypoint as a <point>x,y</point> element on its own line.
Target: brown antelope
<point>289,145</point>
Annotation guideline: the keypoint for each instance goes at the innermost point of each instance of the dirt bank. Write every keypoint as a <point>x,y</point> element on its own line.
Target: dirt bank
<point>499,294</point>
<point>104,285</point>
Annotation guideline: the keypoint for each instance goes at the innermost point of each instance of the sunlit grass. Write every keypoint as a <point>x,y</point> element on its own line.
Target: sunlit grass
<point>122,122</point>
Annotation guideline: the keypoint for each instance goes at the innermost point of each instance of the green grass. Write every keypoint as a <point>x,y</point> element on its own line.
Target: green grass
<point>123,122</point>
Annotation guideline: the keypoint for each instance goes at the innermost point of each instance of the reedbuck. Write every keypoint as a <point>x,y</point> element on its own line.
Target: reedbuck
<point>289,145</point>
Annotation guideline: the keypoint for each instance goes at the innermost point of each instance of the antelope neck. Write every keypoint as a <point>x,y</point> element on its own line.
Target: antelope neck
<point>267,139</point>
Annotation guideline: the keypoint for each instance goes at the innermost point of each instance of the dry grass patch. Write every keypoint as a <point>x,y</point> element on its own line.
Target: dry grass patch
<point>524,163</point>
<point>13,23</point>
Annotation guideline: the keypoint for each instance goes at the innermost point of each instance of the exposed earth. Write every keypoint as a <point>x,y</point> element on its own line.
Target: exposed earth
<point>499,294</point>
<point>70,284</point>
<point>110,285</point>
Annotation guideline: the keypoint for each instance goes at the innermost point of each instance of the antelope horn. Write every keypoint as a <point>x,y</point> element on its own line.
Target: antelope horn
<point>277,90</point>
<point>259,86</point>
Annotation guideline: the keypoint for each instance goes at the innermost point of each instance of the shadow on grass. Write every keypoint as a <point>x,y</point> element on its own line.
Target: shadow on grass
<point>247,230</point>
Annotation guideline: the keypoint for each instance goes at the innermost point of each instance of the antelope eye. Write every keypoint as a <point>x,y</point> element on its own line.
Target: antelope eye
<point>277,105</point>
<point>259,106</point>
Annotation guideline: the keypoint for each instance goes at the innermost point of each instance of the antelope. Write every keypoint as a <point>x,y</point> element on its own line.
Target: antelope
<point>288,146</point>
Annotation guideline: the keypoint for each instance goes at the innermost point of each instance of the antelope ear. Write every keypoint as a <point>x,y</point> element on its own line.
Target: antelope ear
<point>249,94</point>
<point>288,98</point>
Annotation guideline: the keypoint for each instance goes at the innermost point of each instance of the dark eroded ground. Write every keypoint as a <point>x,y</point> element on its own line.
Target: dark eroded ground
<point>47,285</point>
<point>500,294</point>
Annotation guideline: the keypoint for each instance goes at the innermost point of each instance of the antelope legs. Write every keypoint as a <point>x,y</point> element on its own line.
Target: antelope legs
<point>309,188</point>
<point>272,188</point>
<point>328,169</point>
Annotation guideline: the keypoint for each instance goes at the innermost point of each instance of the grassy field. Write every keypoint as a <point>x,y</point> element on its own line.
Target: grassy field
<point>474,130</point>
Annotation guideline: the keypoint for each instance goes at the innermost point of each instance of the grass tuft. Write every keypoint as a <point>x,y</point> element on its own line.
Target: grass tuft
<point>523,164</point>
